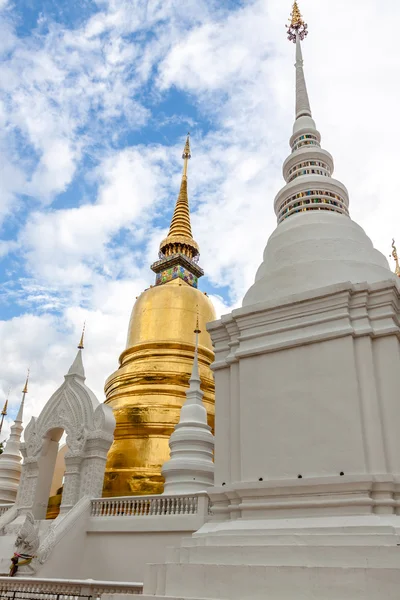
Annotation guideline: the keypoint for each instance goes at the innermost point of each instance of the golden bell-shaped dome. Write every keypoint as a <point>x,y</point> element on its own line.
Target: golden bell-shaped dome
<point>148,390</point>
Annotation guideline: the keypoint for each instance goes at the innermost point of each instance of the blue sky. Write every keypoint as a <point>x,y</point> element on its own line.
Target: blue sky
<point>96,98</point>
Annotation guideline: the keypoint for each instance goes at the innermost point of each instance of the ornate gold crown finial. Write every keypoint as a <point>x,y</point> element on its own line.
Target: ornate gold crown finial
<point>297,29</point>
<point>396,258</point>
<point>25,390</point>
<point>80,345</point>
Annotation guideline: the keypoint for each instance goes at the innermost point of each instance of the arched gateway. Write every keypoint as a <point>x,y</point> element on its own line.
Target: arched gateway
<point>89,427</point>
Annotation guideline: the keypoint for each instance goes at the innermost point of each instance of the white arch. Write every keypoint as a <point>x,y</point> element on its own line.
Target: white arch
<point>89,426</point>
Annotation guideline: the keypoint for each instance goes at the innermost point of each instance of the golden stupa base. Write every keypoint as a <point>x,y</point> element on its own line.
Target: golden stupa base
<point>133,482</point>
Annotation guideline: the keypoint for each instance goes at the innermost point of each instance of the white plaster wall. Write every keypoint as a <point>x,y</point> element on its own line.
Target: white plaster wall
<point>66,561</point>
<point>117,548</point>
<point>308,412</point>
<point>386,357</point>
<point>223,416</point>
<point>309,387</point>
<point>119,556</point>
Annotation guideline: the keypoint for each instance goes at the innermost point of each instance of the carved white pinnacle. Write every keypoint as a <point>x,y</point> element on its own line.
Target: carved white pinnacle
<point>191,468</point>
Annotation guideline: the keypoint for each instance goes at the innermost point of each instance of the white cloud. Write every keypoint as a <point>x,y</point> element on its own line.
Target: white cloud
<point>69,246</point>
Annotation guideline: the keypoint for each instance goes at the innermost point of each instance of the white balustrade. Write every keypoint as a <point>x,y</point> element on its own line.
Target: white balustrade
<point>139,506</point>
<point>24,587</point>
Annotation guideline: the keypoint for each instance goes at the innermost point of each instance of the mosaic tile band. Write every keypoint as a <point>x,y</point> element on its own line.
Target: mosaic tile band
<point>176,272</point>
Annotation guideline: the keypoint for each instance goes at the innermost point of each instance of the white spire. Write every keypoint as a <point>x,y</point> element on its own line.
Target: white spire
<point>302,102</point>
<point>308,170</point>
<point>20,415</point>
<point>77,368</point>
<point>191,467</point>
<point>316,244</point>
<point>10,460</point>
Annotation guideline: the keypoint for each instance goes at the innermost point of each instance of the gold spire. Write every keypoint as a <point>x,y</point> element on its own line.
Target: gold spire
<point>80,345</point>
<point>180,240</point>
<point>396,258</point>
<point>297,29</point>
<point>186,156</point>
<point>25,390</point>
<point>4,411</point>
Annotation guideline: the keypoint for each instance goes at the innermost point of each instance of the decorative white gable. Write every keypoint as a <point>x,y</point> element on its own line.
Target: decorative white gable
<point>89,427</point>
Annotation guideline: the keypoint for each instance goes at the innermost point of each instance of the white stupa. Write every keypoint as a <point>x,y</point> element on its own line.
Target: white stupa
<point>306,502</point>
<point>10,459</point>
<point>191,468</point>
<point>319,244</point>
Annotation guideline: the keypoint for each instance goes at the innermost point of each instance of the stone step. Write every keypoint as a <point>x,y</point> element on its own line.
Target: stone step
<point>233,582</point>
<point>378,557</point>
<point>316,539</point>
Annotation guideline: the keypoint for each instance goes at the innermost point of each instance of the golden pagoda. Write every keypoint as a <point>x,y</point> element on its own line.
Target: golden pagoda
<point>148,390</point>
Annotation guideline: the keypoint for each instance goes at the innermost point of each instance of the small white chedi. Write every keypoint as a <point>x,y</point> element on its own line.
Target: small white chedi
<point>306,502</point>
<point>10,459</point>
<point>191,467</point>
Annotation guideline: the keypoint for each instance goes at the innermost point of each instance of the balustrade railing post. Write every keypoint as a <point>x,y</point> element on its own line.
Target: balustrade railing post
<point>148,506</point>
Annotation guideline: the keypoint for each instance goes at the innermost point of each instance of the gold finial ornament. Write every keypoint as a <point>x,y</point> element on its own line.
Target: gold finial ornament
<point>180,239</point>
<point>197,330</point>
<point>186,151</point>
<point>297,29</point>
<point>80,345</point>
<point>396,258</point>
<point>4,411</point>
<point>25,390</point>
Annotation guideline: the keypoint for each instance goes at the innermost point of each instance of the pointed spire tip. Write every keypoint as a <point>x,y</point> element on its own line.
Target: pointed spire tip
<point>25,390</point>
<point>180,239</point>
<point>186,151</point>
<point>197,330</point>
<point>81,341</point>
<point>4,411</point>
